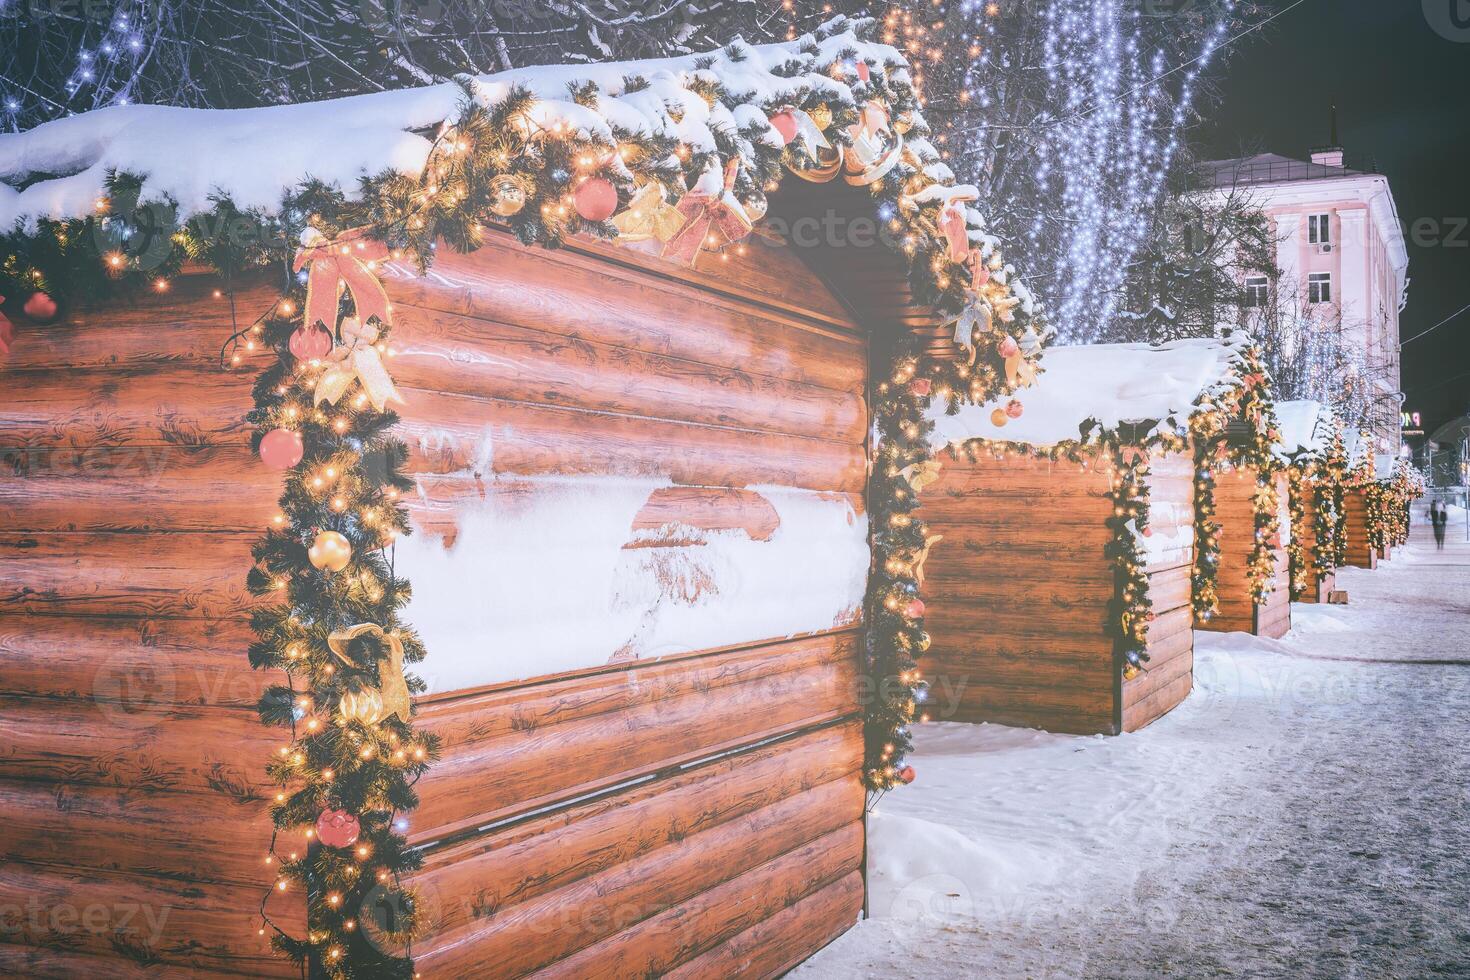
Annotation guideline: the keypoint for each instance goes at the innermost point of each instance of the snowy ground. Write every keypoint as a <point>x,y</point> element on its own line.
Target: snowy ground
<point>1306,813</point>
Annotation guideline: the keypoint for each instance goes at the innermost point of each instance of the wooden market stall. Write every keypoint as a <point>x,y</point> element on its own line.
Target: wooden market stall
<point>635,474</point>
<point>1059,583</point>
<point>1242,569</point>
<point>1312,448</point>
<point>1361,534</point>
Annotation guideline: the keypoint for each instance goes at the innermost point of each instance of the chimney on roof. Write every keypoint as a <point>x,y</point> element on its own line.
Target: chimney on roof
<point>1330,155</point>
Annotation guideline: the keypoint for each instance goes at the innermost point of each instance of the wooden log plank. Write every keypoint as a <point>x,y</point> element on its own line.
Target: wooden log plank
<point>195,750</point>
<point>1080,713</point>
<point>137,831</point>
<point>780,942</point>
<point>120,489</point>
<point>1156,677</point>
<point>596,908</point>
<point>661,943</point>
<point>133,666</point>
<point>1164,648</point>
<point>453,433</point>
<point>1158,704</point>
<point>436,351</point>
<point>152,921</point>
<point>59,963</point>
<point>546,853</point>
<point>557,749</point>
<point>146,575</point>
<point>591,299</point>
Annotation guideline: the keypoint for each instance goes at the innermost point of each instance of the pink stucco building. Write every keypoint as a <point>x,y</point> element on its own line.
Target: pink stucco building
<point>1340,242</point>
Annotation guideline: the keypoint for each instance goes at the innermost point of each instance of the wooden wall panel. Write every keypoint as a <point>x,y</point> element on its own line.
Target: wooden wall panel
<point>129,507</point>
<point>1360,553</point>
<point>1017,595</point>
<point>1235,510</point>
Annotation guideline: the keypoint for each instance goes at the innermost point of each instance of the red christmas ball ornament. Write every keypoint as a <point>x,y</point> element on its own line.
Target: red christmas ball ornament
<point>1009,347</point>
<point>785,124</point>
<point>1014,408</point>
<point>337,828</point>
<point>862,71</point>
<point>915,608</point>
<point>595,199</point>
<point>40,307</point>
<point>906,775</point>
<point>1148,532</point>
<point>281,449</point>
<point>921,387</point>
<point>310,343</point>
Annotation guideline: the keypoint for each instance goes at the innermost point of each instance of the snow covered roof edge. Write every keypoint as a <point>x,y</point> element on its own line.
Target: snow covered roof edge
<point>1088,390</point>
<point>255,157</point>
<point>1307,429</point>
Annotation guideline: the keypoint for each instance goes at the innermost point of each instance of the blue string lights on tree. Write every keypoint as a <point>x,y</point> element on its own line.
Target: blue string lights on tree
<point>1069,117</point>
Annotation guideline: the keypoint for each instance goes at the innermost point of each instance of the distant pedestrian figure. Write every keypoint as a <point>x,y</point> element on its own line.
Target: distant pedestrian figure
<point>1439,517</point>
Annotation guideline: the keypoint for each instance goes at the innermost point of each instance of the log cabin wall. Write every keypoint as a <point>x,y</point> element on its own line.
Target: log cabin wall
<point>133,776</point>
<point>1311,546</point>
<point>690,804</point>
<point>1359,552</point>
<point>1017,596</point>
<point>1235,509</point>
<point>1168,676</point>
<point>639,779</point>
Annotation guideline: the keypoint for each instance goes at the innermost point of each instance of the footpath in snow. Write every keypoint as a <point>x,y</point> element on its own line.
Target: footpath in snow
<point>1303,813</point>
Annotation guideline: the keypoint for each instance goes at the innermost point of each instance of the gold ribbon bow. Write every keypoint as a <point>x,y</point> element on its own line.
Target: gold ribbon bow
<point>392,686</point>
<point>875,148</point>
<point>342,262</point>
<point>356,359</point>
<point>649,215</point>
<point>705,211</point>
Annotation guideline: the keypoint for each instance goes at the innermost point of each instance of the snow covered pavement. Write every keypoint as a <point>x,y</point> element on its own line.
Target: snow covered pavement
<point>1305,813</point>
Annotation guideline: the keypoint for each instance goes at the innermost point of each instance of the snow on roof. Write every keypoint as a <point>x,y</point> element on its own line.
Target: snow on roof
<point>1108,385</point>
<point>1305,426</point>
<point>255,156</point>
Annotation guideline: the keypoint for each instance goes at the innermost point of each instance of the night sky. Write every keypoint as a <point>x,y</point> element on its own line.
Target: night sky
<point>1402,89</point>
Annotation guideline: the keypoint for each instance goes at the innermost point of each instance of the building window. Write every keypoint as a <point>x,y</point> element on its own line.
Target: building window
<point>1319,229</point>
<point>1255,290</point>
<point>1319,287</point>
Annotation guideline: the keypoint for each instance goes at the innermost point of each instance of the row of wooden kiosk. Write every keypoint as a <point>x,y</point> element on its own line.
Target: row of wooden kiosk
<point>1142,492</point>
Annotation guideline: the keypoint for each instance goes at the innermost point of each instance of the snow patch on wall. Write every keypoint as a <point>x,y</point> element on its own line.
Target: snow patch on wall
<point>551,578</point>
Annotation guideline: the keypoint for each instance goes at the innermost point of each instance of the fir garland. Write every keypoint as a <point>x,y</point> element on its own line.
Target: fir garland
<point>1131,609</point>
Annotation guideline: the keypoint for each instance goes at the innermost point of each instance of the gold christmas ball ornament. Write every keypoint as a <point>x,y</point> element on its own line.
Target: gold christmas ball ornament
<point>508,194</point>
<point>330,552</point>
<point>365,706</point>
<point>755,207</point>
<point>821,115</point>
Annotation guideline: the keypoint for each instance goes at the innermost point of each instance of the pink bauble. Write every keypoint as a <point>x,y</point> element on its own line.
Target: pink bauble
<point>785,123</point>
<point>281,449</point>
<point>862,71</point>
<point>1009,347</point>
<point>310,343</point>
<point>337,828</point>
<point>906,775</point>
<point>595,199</point>
<point>915,608</point>
<point>40,307</point>
<point>1148,532</point>
<point>1014,408</point>
<point>920,387</point>
<point>7,334</point>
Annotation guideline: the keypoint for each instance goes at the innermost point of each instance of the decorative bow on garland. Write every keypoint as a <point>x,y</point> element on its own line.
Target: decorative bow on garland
<point>952,227</point>
<point>356,358</point>
<point>342,260</point>
<point>705,211</point>
<point>875,148</point>
<point>370,706</point>
<point>649,215</point>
